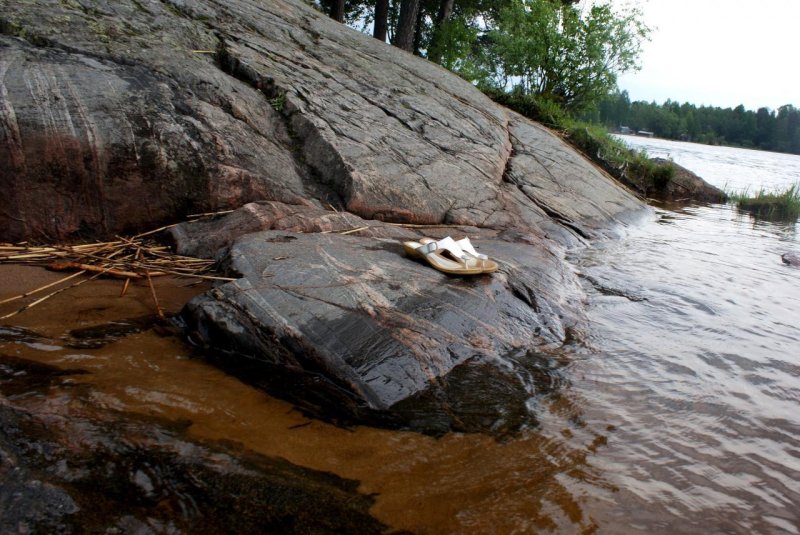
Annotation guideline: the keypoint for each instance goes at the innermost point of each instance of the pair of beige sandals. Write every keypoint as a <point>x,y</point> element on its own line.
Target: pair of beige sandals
<point>451,256</point>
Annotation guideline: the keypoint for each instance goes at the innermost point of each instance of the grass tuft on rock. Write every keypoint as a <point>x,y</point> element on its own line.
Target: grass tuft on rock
<point>772,206</point>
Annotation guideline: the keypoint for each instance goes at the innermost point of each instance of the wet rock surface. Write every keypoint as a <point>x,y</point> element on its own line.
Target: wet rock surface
<point>792,259</point>
<point>124,115</point>
<point>372,328</point>
<point>68,467</point>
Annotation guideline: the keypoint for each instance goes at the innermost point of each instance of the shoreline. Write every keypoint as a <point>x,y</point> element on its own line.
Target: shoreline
<point>145,375</point>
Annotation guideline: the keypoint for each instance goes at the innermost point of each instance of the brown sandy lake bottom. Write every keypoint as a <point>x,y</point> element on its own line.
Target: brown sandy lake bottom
<point>422,484</point>
<point>678,414</point>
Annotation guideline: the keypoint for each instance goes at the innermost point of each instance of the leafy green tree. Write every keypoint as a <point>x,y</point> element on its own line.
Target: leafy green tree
<point>556,51</point>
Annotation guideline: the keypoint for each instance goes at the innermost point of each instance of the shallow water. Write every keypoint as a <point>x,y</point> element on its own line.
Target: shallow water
<point>678,413</point>
<point>700,374</point>
<point>459,483</point>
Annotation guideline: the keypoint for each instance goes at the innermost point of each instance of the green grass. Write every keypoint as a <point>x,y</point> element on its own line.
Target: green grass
<point>278,103</point>
<point>774,206</point>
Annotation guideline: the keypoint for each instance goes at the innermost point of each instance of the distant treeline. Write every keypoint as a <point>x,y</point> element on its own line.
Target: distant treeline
<point>764,129</point>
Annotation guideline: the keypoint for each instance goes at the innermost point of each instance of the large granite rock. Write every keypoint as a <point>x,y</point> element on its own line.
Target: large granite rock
<point>375,327</point>
<point>349,327</point>
<point>122,115</point>
<point>119,115</point>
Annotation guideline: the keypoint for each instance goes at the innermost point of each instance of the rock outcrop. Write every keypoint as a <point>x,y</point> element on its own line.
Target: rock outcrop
<point>118,115</point>
<point>123,115</point>
<point>684,185</point>
<point>376,328</point>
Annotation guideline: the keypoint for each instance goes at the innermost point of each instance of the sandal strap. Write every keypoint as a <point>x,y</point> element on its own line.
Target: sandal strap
<point>447,243</point>
<point>467,246</point>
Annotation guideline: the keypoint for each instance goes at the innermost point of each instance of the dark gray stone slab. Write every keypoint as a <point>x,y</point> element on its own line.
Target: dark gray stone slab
<point>379,327</point>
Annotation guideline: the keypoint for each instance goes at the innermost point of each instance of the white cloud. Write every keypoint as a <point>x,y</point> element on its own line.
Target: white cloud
<point>720,53</point>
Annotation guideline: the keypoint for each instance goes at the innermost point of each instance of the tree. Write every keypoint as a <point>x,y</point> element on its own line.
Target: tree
<point>337,10</point>
<point>407,25</point>
<point>435,50</point>
<point>765,128</point>
<point>445,10</point>
<point>381,22</point>
<point>554,50</point>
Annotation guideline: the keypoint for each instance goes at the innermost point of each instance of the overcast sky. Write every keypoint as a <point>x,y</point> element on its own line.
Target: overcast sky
<point>719,53</point>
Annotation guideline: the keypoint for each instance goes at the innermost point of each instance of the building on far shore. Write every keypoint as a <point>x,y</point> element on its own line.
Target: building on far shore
<point>629,132</point>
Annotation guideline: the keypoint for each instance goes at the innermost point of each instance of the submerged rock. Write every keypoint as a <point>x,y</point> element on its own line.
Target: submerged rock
<point>97,336</point>
<point>69,467</point>
<point>793,259</point>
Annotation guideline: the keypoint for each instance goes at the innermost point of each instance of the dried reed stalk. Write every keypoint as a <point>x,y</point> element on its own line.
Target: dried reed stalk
<point>48,296</point>
<point>67,266</point>
<point>159,311</point>
<point>45,287</point>
<point>134,258</point>
<point>415,225</point>
<point>344,232</point>
<point>209,214</point>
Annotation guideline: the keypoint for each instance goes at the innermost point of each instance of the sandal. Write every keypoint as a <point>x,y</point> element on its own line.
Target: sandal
<point>448,257</point>
<point>489,266</point>
<point>467,247</point>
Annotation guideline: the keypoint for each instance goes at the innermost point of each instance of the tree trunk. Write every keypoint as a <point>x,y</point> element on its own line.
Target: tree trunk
<point>418,31</point>
<point>445,10</point>
<point>407,25</point>
<point>381,20</point>
<point>337,11</point>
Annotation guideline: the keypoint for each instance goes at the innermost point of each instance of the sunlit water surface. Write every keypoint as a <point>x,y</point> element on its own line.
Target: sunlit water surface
<point>678,414</point>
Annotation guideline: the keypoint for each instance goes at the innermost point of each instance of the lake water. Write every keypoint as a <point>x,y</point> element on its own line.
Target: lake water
<point>679,413</point>
<point>699,369</point>
<point>728,168</point>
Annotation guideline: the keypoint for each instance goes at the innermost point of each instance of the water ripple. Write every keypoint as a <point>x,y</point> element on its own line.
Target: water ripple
<point>702,378</point>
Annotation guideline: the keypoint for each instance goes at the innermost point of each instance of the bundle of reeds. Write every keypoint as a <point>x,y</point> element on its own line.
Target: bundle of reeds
<point>136,257</point>
<point>771,205</point>
<point>128,258</point>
